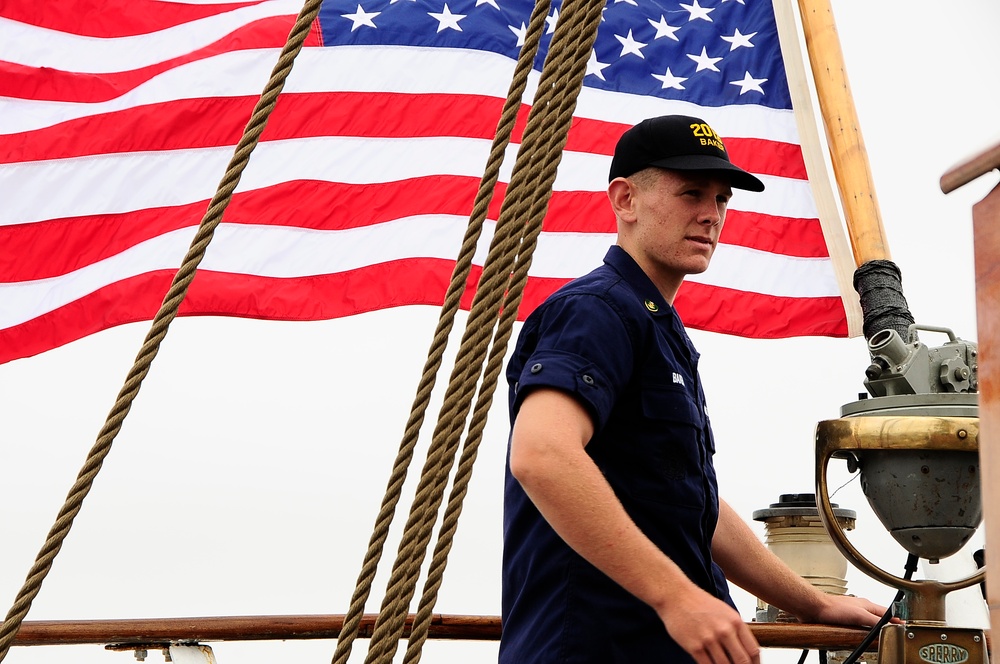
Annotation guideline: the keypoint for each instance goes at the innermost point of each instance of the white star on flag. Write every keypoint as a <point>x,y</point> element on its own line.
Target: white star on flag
<point>520,32</point>
<point>360,17</point>
<point>446,19</point>
<point>594,67</point>
<point>630,45</point>
<point>749,83</point>
<point>492,3</point>
<point>704,62</point>
<point>738,40</point>
<point>697,11</point>
<point>662,29</point>
<point>670,81</point>
<point>551,21</point>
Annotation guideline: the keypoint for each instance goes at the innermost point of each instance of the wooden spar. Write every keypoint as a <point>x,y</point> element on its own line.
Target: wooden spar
<point>847,146</point>
<point>235,628</point>
<point>164,631</point>
<point>969,170</point>
<point>986,245</point>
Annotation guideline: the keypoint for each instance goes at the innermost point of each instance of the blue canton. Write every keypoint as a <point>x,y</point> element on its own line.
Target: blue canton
<point>711,53</point>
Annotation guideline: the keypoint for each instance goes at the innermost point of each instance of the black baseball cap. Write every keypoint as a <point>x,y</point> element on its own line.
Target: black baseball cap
<point>678,142</point>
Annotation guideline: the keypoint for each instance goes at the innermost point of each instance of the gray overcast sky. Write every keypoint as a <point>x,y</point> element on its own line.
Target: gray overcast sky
<point>247,477</point>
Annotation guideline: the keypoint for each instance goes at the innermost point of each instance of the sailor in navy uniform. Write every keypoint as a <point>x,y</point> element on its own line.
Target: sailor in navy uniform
<point>615,540</point>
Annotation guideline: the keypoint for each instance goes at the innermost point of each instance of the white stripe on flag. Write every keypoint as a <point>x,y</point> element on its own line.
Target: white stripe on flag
<point>115,183</point>
<point>278,251</point>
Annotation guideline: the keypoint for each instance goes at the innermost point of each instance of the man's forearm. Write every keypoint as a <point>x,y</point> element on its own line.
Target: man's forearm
<point>573,496</point>
<point>753,567</point>
<point>548,458</point>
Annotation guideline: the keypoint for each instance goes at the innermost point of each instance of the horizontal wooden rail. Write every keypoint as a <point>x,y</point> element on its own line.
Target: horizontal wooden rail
<point>971,169</point>
<point>234,628</point>
<point>162,631</point>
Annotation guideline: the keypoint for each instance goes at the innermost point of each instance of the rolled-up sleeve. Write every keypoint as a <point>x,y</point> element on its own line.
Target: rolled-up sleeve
<point>580,345</point>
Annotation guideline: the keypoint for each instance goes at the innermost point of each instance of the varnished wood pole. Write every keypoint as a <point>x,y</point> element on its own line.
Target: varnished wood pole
<point>847,146</point>
<point>970,170</point>
<point>163,631</point>
<point>149,631</point>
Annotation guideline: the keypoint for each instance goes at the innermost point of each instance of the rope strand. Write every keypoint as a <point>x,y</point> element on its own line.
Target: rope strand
<point>582,28</point>
<point>456,288</point>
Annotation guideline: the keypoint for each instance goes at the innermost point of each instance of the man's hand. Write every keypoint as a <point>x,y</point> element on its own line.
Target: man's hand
<point>547,457</point>
<point>750,565</point>
<point>847,610</point>
<point>709,629</point>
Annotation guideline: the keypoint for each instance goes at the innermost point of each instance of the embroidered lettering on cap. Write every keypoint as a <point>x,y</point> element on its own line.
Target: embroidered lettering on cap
<point>678,379</point>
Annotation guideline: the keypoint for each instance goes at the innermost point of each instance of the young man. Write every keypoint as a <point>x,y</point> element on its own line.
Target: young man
<point>616,545</point>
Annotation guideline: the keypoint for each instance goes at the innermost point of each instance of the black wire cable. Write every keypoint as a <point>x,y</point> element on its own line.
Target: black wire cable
<point>910,567</point>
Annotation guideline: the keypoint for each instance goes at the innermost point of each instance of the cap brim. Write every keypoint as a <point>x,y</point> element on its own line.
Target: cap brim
<point>739,178</point>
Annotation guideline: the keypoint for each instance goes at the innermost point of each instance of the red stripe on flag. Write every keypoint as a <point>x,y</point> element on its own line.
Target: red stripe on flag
<point>398,283</point>
<point>778,235</point>
<point>710,308</point>
<point>213,122</point>
<point>50,248</point>
<point>54,247</point>
<point>50,84</point>
<point>753,154</point>
<point>112,18</point>
<point>759,316</point>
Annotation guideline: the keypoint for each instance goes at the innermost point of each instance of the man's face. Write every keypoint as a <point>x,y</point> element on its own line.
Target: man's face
<point>678,218</point>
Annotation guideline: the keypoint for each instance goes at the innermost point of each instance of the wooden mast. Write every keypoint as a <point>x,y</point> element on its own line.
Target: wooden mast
<point>847,146</point>
<point>869,242</point>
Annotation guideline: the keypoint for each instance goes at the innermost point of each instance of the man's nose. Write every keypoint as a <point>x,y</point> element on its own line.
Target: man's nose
<point>711,215</point>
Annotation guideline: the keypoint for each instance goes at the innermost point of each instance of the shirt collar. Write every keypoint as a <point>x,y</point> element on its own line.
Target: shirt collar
<point>625,265</point>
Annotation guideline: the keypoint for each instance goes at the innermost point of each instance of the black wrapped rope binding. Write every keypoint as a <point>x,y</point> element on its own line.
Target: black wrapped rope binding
<point>880,287</point>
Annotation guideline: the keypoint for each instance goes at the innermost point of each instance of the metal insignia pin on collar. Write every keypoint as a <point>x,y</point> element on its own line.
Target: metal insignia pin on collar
<point>652,306</point>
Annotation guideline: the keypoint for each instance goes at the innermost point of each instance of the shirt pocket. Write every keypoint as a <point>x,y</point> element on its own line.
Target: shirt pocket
<point>670,457</point>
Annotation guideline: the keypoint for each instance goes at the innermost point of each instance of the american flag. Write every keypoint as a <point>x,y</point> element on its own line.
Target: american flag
<point>117,119</point>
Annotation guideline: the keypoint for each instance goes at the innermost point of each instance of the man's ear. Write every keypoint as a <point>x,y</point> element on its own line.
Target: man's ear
<point>621,193</point>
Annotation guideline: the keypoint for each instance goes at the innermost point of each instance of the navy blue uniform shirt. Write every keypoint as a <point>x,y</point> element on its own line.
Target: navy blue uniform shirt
<point>611,341</point>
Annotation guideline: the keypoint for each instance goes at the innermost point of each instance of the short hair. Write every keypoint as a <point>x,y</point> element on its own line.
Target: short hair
<point>645,178</point>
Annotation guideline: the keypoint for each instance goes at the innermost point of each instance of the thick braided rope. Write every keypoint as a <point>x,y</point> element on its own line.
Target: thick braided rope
<point>450,424</point>
<point>444,443</point>
<point>582,20</point>
<point>158,330</point>
<point>455,290</point>
<point>451,421</point>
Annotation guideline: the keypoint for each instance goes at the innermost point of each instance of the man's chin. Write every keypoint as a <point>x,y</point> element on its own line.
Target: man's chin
<point>697,268</point>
